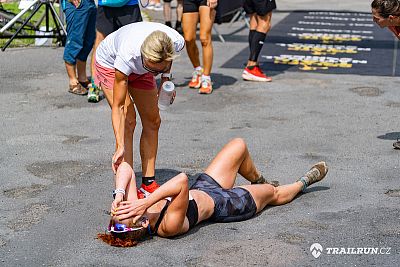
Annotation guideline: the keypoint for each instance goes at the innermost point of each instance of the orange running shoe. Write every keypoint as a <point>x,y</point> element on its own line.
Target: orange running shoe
<point>255,74</point>
<point>148,189</point>
<point>196,79</point>
<point>206,87</point>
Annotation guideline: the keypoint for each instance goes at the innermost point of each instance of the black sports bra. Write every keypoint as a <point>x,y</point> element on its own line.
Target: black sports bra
<point>192,214</point>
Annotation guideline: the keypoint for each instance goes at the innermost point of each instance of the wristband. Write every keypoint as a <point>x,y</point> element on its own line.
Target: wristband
<point>166,75</point>
<point>116,191</point>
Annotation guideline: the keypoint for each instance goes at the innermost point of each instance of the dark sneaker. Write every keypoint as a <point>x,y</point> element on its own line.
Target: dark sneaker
<point>396,145</point>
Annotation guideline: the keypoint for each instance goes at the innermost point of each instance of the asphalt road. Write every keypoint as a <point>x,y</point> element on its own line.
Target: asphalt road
<point>56,148</point>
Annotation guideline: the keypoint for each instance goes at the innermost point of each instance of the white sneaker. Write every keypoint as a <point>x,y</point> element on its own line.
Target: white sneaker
<point>158,7</point>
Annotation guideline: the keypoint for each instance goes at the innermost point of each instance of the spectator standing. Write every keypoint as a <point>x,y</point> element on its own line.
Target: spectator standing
<point>168,14</point>
<point>110,19</point>
<point>260,12</point>
<point>80,16</point>
<point>126,63</point>
<point>193,12</point>
<point>386,13</point>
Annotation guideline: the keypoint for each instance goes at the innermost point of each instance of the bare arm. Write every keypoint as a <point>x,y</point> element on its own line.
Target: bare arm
<point>118,116</point>
<point>212,3</point>
<point>173,222</point>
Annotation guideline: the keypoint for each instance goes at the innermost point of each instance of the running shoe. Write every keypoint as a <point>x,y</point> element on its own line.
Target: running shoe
<point>150,6</point>
<point>94,93</point>
<point>206,87</point>
<point>140,195</point>
<point>315,174</point>
<point>148,189</point>
<point>196,79</point>
<point>255,74</point>
<point>158,7</point>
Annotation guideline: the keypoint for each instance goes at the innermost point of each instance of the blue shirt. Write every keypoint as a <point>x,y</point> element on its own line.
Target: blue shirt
<point>130,3</point>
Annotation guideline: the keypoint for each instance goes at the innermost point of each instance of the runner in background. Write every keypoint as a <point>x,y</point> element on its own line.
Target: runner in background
<point>193,12</point>
<point>260,12</point>
<point>110,19</point>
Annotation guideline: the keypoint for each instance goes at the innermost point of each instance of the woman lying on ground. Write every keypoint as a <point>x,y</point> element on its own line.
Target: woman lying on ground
<point>175,208</point>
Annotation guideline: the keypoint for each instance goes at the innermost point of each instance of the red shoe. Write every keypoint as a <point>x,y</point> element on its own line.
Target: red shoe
<point>148,189</point>
<point>196,79</point>
<point>206,87</point>
<point>255,74</point>
<point>140,195</point>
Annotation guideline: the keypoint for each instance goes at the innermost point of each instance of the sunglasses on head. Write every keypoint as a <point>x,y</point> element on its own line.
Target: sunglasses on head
<point>151,70</point>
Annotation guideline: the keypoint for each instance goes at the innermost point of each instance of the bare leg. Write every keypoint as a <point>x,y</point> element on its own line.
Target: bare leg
<point>232,159</point>
<point>81,69</point>
<point>71,71</point>
<point>99,37</point>
<point>265,194</point>
<point>207,17</point>
<point>189,24</point>
<point>167,12</point>
<point>130,123</point>
<point>259,24</point>
<point>179,10</point>
<point>146,104</point>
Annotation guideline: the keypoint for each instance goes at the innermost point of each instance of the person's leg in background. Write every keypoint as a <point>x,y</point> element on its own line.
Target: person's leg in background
<point>207,17</point>
<point>167,13</point>
<point>179,12</point>
<point>190,19</point>
<point>78,20</point>
<point>103,27</point>
<point>88,41</point>
<point>260,23</point>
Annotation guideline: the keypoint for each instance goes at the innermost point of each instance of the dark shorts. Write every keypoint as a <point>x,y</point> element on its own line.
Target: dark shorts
<point>260,7</point>
<point>193,5</point>
<point>231,205</point>
<point>110,19</point>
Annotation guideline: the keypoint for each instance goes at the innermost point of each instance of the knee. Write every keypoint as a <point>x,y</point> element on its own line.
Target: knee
<point>239,143</point>
<point>205,40</point>
<point>190,41</point>
<point>151,124</point>
<point>264,27</point>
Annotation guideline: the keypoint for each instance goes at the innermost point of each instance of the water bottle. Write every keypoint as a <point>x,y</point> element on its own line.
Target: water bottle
<point>166,94</point>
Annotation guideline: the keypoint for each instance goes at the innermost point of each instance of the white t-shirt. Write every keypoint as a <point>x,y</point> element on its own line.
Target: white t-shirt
<point>121,49</point>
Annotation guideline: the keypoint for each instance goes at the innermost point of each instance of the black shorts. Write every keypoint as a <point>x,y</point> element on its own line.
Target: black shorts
<point>231,205</point>
<point>110,19</point>
<point>193,5</point>
<point>260,7</point>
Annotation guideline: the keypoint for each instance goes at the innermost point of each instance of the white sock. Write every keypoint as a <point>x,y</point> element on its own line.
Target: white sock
<point>205,77</point>
<point>198,68</point>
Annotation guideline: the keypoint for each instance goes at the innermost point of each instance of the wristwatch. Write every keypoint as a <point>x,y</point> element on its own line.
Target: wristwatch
<point>166,75</point>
